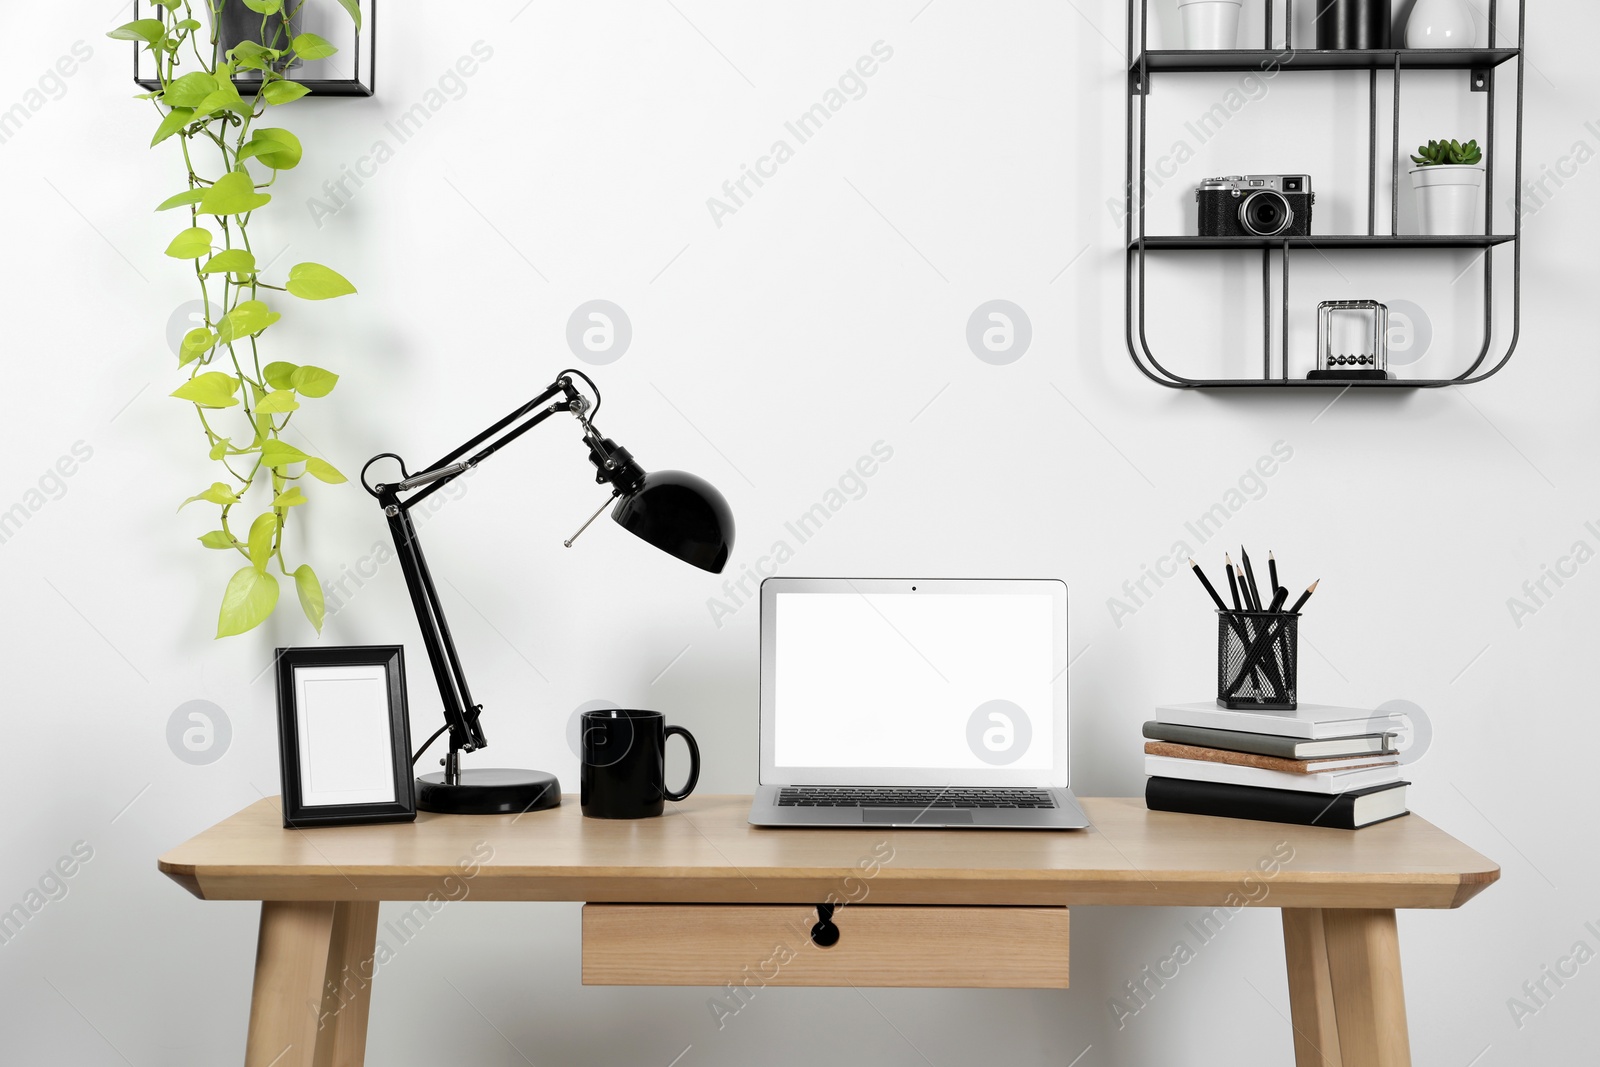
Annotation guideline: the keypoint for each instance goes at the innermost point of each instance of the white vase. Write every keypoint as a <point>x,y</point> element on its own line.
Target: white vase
<point>1440,24</point>
<point>1210,25</point>
<point>1447,199</point>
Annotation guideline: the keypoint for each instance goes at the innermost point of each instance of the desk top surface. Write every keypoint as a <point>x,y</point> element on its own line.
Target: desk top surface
<point>703,850</point>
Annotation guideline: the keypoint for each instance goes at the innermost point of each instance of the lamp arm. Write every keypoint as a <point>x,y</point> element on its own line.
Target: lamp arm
<point>461,713</point>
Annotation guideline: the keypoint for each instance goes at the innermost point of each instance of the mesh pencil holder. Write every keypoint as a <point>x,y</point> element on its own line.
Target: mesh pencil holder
<point>1256,664</point>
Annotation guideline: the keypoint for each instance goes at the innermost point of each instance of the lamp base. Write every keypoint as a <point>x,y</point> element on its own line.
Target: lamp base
<point>488,791</point>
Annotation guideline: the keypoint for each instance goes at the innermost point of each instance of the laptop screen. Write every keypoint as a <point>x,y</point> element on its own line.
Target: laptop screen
<point>910,683</point>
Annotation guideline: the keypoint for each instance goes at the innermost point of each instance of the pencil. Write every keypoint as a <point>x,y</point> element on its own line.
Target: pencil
<point>1272,571</point>
<point>1211,589</point>
<point>1298,604</point>
<point>1233,582</point>
<point>1256,656</point>
<point>1252,591</point>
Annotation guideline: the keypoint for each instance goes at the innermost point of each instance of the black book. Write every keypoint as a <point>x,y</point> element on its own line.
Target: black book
<point>1347,811</point>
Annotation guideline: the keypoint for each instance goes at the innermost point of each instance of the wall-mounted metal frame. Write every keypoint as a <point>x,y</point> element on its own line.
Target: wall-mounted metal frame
<point>1480,65</point>
<point>349,72</point>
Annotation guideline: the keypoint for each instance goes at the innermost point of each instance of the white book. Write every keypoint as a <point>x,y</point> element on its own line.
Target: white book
<point>1329,782</point>
<point>1309,721</point>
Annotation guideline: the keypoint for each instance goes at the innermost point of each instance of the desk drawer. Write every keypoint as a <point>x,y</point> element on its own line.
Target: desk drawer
<point>771,944</point>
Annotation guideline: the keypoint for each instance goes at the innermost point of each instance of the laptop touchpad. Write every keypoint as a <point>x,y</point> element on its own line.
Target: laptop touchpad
<point>909,816</point>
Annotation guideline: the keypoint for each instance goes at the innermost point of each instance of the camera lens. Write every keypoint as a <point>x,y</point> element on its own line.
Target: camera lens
<point>1266,214</point>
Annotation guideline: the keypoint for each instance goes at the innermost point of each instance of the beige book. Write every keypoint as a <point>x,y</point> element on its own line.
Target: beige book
<point>1266,763</point>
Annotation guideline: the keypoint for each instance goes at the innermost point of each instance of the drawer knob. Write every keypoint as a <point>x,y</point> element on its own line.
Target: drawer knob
<point>825,934</point>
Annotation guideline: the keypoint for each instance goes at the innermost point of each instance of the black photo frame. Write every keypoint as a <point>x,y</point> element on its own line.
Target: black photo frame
<point>344,736</point>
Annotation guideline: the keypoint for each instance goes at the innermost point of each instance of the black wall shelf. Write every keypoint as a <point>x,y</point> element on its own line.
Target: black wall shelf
<point>1311,59</point>
<point>1481,67</point>
<point>1324,242</point>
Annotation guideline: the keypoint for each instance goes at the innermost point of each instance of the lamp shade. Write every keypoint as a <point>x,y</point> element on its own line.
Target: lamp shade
<point>681,514</point>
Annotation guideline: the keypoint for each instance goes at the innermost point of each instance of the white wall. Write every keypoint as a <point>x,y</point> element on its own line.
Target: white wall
<point>826,314</point>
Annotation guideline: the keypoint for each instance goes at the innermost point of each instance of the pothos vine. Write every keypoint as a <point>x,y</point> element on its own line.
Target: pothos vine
<point>202,110</point>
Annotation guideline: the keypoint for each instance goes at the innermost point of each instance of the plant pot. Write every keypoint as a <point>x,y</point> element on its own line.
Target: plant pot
<point>1343,24</point>
<point>1210,25</point>
<point>1447,199</point>
<point>1440,24</point>
<point>238,24</point>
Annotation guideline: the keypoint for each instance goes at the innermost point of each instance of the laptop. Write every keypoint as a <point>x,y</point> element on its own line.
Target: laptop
<point>914,703</point>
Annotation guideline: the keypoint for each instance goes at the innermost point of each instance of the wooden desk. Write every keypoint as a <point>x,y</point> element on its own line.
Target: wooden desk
<point>700,897</point>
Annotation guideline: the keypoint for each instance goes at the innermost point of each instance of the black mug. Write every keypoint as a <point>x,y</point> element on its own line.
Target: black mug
<point>624,764</point>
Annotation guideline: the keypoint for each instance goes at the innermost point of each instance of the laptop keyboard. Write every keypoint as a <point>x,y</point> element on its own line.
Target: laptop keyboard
<point>825,796</point>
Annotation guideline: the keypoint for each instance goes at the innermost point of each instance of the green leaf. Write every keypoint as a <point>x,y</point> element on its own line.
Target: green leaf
<point>190,244</point>
<point>354,8</point>
<point>261,532</point>
<point>313,381</point>
<point>279,375</point>
<point>187,25</point>
<point>170,5</point>
<point>230,261</point>
<point>233,194</point>
<point>219,493</point>
<point>310,46</point>
<point>247,319</point>
<point>175,120</point>
<point>310,590</point>
<point>217,539</point>
<point>212,389</point>
<point>225,98</point>
<point>324,471</point>
<point>246,603</point>
<point>196,343</point>
<point>290,497</point>
<point>278,402</point>
<point>276,454</point>
<point>189,90</point>
<point>313,281</point>
<point>264,7</point>
<point>248,49</point>
<point>192,196</point>
<point>278,149</point>
<point>150,31</point>
<point>283,92</point>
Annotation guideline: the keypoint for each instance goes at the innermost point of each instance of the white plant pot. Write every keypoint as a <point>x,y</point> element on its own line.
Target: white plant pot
<point>1440,24</point>
<point>1210,25</point>
<point>1447,199</point>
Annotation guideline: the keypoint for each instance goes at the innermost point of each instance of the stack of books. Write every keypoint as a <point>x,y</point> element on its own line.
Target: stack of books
<point>1316,766</point>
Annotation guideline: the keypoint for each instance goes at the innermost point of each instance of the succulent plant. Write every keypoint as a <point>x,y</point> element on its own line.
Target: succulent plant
<point>1441,153</point>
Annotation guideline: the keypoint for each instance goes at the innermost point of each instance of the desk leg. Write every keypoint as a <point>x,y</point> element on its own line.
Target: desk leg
<point>1316,1030</point>
<point>1346,1000</point>
<point>313,984</point>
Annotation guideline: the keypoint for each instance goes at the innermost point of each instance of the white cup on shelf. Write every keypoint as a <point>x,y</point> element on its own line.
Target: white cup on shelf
<point>1210,25</point>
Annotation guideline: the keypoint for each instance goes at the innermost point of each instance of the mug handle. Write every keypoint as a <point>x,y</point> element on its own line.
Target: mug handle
<point>694,764</point>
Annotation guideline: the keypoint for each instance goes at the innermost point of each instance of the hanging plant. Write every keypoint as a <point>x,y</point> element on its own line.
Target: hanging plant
<point>202,112</point>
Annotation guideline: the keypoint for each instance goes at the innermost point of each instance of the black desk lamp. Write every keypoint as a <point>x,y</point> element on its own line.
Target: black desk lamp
<point>679,513</point>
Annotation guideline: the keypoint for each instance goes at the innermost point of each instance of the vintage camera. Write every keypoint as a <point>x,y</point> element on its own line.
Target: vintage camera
<point>1256,205</point>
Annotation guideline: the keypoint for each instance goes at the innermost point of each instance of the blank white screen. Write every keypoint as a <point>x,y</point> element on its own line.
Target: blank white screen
<point>893,679</point>
<point>346,753</point>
